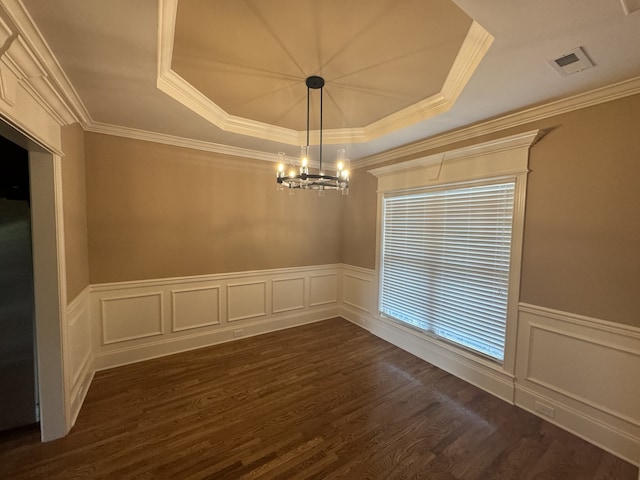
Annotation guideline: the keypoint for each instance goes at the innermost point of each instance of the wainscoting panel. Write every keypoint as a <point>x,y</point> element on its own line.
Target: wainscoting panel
<point>287,294</point>
<point>138,320</point>
<point>247,300</point>
<point>195,308</point>
<point>78,336</point>
<point>131,317</point>
<point>79,358</point>
<point>357,291</point>
<point>582,374</point>
<point>577,372</point>
<point>323,289</point>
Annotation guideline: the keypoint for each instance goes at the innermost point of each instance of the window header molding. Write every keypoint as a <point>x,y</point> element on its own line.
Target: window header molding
<point>504,156</point>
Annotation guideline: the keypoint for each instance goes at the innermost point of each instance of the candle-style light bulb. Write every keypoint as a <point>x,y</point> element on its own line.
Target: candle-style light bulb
<point>304,160</point>
<point>281,162</point>
<point>340,155</point>
<point>280,171</point>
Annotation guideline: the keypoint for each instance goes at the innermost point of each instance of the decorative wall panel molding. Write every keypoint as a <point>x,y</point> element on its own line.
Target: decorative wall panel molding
<point>246,300</point>
<point>356,291</point>
<point>79,366</point>
<point>582,374</point>
<point>195,308</point>
<point>287,294</point>
<point>130,324</point>
<point>78,335</point>
<point>577,372</point>
<point>324,289</point>
<point>131,317</point>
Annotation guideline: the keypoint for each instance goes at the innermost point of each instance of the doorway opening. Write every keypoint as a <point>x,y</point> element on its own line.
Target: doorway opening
<point>48,284</point>
<point>18,386</point>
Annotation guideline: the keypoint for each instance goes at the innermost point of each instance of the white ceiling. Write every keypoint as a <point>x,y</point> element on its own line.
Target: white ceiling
<point>109,50</point>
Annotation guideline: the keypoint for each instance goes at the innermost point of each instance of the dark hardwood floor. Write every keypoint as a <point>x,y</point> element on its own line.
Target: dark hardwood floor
<point>322,401</point>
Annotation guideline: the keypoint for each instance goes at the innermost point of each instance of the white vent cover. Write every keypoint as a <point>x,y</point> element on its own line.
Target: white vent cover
<point>572,62</point>
<point>630,6</point>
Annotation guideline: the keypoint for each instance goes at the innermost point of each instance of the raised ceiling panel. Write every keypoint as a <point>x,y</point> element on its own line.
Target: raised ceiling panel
<point>378,57</point>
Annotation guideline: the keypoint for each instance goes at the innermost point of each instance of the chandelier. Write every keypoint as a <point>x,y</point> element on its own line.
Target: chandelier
<point>292,176</point>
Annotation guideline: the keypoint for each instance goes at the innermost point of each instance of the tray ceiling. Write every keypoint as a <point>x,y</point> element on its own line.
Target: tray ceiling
<point>228,75</point>
<point>251,58</point>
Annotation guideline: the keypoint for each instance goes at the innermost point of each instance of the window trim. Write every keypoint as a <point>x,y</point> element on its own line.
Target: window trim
<point>504,158</point>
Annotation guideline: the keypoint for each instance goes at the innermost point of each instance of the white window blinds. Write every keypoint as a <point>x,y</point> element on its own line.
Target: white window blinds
<point>445,263</point>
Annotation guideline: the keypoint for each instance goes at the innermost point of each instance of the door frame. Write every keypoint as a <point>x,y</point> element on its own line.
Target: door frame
<point>49,287</point>
<point>49,282</point>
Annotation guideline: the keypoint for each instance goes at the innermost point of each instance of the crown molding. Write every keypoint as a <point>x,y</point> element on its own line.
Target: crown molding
<point>144,135</point>
<point>179,89</point>
<point>35,66</point>
<point>512,142</point>
<point>20,67</point>
<point>576,102</point>
<point>472,50</point>
<point>605,94</point>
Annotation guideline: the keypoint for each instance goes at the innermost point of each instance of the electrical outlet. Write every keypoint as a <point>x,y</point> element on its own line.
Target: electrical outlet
<point>238,333</point>
<point>544,409</point>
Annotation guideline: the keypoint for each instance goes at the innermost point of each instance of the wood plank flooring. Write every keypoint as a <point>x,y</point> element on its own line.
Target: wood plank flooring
<point>322,401</point>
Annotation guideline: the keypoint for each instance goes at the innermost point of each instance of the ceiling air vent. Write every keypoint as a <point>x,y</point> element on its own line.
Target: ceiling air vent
<point>573,62</point>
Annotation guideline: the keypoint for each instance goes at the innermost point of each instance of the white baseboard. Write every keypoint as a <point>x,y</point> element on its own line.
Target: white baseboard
<point>169,346</point>
<point>594,430</point>
<point>79,392</point>
<point>475,371</point>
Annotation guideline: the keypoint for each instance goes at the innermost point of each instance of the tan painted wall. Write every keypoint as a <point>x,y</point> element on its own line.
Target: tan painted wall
<point>358,234</point>
<point>158,211</point>
<point>582,225</point>
<point>74,203</point>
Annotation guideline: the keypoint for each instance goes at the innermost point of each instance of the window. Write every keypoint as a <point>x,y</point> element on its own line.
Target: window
<point>449,251</point>
<point>446,260</point>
